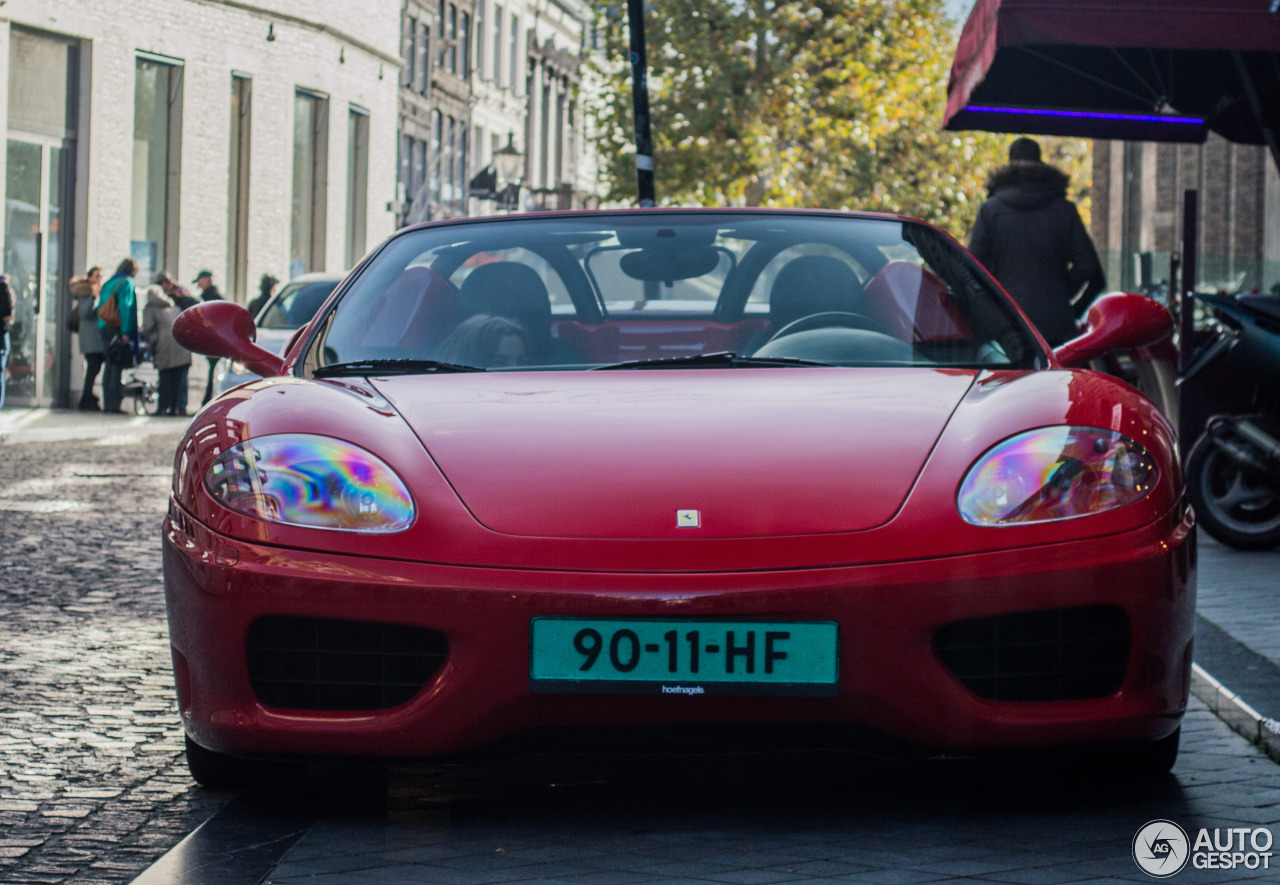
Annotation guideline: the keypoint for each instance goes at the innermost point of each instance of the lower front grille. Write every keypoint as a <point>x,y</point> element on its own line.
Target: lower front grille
<point>321,664</point>
<point>1056,655</point>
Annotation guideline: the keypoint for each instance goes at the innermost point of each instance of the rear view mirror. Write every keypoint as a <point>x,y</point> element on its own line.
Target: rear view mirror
<point>658,264</point>
<point>225,329</point>
<point>1117,321</point>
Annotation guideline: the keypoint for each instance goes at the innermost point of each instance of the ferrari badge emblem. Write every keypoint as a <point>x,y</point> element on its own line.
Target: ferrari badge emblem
<point>687,519</point>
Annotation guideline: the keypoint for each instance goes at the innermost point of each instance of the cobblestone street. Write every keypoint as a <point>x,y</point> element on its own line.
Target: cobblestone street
<point>93,786</point>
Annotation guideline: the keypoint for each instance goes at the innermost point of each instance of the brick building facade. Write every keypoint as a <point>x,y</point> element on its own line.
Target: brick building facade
<point>1137,212</point>
<point>241,136</point>
<point>264,136</point>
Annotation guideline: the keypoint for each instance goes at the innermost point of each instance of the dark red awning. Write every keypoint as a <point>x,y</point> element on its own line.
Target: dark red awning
<point>1165,70</point>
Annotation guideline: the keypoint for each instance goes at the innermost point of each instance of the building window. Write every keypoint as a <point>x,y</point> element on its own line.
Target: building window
<point>423,84</point>
<point>408,51</point>
<point>544,135</point>
<point>238,189</point>
<point>561,109</point>
<point>465,37</point>
<point>480,71</point>
<point>446,163</point>
<point>157,136</point>
<point>310,182</point>
<point>515,50</point>
<point>497,45</point>
<point>571,144</point>
<point>418,206</point>
<point>357,183</point>
<point>404,183</point>
<point>453,39</point>
<point>437,140</point>
<point>442,25</point>
<point>460,169</point>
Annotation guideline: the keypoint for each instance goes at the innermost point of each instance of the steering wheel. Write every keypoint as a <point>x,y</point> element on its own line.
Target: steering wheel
<point>828,318</point>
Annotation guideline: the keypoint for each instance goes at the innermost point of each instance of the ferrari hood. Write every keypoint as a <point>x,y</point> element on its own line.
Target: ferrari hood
<point>673,453</point>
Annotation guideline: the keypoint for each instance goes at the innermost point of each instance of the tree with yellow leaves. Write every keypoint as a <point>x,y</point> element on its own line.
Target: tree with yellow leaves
<point>816,103</point>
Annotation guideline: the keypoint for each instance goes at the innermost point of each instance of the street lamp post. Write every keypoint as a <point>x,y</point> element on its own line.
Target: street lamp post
<point>640,103</point>
<point>508,162</point>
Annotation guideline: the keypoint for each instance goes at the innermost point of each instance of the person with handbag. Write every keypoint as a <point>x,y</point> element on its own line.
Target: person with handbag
<point>83,320</point>
<point>171,358</point>
<point>118,326</point>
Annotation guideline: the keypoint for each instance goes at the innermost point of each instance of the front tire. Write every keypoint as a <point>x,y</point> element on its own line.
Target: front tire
<point>217,771</point>
<point>1150,760</point>
<point>1237,506</point>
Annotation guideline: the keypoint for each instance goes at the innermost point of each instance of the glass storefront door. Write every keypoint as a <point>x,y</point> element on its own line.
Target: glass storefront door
<point>40,152</point>
<point>33,252</point>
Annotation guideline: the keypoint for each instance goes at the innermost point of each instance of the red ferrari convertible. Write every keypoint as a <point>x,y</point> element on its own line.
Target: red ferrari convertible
<point>670,471</point>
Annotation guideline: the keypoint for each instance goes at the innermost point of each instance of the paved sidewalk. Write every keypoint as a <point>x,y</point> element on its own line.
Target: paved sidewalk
<point>38,425</point>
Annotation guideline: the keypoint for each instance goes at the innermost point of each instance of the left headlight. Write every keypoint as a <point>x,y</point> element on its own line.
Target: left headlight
<point>312,481</point>
<point>1055,473</point>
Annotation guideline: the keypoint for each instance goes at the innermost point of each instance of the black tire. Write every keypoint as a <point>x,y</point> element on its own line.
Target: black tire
<point>1151,760</point>
<point>217,771</point>
<point>1133,762</point>
<point>1235,505</point>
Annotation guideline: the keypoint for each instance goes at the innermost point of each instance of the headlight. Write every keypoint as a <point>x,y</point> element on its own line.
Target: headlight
<point>313,481</point>
<point>1055,473</point>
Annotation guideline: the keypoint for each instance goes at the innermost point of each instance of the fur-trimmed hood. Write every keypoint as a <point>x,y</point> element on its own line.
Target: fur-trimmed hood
<point>1028,185</point>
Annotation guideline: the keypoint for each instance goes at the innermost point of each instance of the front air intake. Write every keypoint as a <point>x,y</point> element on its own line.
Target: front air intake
<point>320,664</point>
<point>1063,654</point>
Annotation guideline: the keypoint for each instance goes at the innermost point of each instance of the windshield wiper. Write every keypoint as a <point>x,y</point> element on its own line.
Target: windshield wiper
<point>390,367</point>
<point>721,360</point>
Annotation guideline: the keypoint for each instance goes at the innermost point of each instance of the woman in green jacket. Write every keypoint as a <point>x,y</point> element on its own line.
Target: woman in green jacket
<point>120,286</point>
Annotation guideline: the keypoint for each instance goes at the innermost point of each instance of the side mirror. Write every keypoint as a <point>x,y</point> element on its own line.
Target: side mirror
<point>225,329</point>
<point>1117,321</point>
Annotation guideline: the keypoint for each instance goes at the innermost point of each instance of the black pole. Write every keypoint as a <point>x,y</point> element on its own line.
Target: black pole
<point>640,101</point>
<point>1190,242</point>
<point>1190,399</point>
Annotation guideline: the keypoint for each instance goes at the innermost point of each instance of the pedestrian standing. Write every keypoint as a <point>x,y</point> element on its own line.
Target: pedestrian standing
<point>1031,238</point>
<point>177,293</point>
<point>6,317</point>
<point>85,291</point>
<point>119,287</point>
<point>208,292</point>
<point>171,358</point>
<point>266,288</point>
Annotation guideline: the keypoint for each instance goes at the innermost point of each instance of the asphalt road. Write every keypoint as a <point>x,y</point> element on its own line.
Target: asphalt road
<point>93,785</point>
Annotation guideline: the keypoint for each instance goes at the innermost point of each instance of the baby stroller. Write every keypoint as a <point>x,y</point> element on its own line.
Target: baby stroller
<point>142,384</point>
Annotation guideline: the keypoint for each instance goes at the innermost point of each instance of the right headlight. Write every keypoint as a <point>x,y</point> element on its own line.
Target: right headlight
<point>1055,473</point>
<point>312,481</point>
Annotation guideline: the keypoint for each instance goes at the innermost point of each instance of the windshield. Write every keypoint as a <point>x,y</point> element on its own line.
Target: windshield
<point>659,289</point>
<point>295,304</point>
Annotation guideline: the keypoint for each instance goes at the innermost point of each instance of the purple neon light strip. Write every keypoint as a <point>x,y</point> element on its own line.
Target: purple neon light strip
<point>1093,115</point>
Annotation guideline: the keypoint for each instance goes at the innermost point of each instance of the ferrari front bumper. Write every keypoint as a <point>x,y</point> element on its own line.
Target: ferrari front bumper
<point>890,676</point>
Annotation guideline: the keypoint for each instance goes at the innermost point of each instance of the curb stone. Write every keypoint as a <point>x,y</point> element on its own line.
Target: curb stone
<point>1228,706</point>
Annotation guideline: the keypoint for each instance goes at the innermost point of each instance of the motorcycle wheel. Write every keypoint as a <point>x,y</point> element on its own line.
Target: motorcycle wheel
<point>1234,504</point>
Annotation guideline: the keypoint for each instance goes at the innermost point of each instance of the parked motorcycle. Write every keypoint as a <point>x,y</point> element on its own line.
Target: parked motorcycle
<point>1233,470</point>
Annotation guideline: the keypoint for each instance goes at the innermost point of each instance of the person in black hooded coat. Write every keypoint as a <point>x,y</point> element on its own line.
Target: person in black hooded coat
<point>1031,238</point>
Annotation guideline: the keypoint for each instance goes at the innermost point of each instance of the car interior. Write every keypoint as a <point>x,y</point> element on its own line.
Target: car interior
<point>587,293</point>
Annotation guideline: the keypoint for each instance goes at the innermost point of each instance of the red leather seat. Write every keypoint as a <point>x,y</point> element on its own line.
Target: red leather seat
<point>914,303</point>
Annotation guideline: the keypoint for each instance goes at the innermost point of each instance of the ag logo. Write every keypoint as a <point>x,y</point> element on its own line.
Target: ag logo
<point>1161,849</point>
